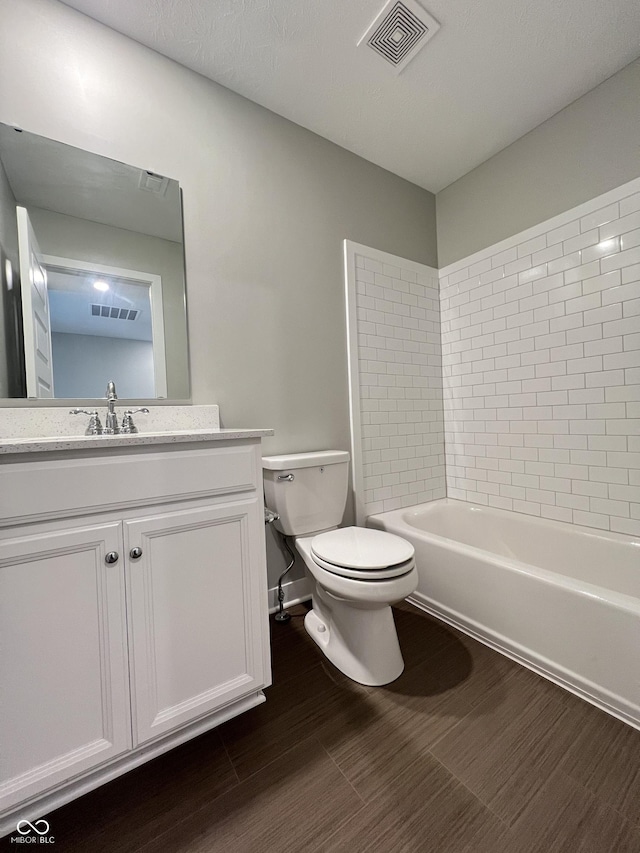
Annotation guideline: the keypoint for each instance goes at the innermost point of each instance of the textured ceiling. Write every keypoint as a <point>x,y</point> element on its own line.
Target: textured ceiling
<point>495,70</point>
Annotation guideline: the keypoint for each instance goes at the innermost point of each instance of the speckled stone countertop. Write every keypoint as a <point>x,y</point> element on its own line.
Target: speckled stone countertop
<point>86,442</point>
<point>52,429</point>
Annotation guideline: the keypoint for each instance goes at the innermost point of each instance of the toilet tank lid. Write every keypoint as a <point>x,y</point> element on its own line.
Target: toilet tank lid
<point>311,459</point>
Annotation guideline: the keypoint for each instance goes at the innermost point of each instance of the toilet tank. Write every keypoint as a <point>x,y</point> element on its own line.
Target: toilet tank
<point>307,490</point>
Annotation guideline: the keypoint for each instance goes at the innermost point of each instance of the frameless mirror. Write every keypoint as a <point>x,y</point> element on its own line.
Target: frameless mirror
<point>92,275</point>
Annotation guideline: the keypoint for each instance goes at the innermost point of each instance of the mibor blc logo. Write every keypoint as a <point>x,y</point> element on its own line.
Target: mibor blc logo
<point>36,832</point>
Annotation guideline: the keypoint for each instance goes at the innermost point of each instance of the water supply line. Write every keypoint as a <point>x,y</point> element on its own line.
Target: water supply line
<point>282,615</point>
<point>269,517</point>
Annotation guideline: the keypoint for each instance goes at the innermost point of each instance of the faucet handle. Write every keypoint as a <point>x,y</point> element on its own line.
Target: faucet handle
<point>94,427</point>
<point>128,425</point>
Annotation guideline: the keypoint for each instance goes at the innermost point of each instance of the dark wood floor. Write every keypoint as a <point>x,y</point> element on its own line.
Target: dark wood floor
<point>467,751</point>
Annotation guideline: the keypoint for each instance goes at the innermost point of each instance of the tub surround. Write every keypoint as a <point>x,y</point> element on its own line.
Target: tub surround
<point>541,365</point>
<point>537,368</point>
<point>561,599</point>
<point>395,380</point>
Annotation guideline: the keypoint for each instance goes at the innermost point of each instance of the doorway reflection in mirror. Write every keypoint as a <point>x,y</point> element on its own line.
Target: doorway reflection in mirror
<point>89,220</point>
<point>100,318</point>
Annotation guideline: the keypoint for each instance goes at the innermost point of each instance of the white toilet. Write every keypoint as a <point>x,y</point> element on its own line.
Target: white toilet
<point>357,573</point>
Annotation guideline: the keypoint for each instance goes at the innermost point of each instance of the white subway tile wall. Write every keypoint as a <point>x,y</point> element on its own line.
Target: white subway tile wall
<point>541,372</point>
<point>400,372</point>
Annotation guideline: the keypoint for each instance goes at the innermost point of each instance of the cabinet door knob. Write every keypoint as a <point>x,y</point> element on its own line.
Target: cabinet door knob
<point>135,553</point>
<point>112,557</point>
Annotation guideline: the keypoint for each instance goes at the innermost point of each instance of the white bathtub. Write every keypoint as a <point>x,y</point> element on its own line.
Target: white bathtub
<point>564,600</point>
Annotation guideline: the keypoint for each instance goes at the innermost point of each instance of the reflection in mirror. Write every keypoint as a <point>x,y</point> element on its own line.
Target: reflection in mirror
<point>101,315</point>
<point>92,275</point>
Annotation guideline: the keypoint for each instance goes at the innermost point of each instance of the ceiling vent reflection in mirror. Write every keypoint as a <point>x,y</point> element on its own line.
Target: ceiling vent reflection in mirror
<point>113,313</point>
<point>152,183</point>
<point>400,30</point>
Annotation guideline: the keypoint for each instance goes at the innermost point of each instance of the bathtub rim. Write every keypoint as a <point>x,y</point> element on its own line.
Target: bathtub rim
<point>623,600</point>
<point>535,520</point>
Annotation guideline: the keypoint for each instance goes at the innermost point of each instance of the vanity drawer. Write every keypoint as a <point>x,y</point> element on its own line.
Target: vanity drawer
<point>71,485</point>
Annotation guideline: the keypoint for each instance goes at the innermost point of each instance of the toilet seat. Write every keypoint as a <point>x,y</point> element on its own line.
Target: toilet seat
<point>362,553</point>
<point>365,575</point>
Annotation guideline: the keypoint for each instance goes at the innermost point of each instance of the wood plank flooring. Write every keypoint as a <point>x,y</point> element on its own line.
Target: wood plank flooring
<point>467,752</point>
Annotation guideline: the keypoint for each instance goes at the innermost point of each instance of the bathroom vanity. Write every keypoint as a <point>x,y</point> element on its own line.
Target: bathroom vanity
<point>133,599</point>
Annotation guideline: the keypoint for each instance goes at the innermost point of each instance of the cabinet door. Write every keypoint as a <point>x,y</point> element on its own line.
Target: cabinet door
<point>64,702</point>
<point>198,614</point>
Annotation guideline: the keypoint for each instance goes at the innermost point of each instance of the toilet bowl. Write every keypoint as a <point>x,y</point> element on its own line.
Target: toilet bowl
<point>351,617</point>
<point>356,573</point>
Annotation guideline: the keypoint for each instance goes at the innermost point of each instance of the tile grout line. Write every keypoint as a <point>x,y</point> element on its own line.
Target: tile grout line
<point>338,829</point>
<point>280,755</point>
<point>233,766</point>
<point>205,805</point>
<point>337,766</point>
<point>466,787</point>
<point>238,784</point>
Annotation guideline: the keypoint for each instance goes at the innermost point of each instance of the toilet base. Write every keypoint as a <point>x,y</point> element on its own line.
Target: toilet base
<point>361,642</point>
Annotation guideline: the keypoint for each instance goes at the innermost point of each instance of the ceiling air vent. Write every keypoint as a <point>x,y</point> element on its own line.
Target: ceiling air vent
<point>113,313</point>
<point>401,29</point>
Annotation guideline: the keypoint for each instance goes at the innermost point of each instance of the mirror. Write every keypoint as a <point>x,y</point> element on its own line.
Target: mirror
<point>92,275</point>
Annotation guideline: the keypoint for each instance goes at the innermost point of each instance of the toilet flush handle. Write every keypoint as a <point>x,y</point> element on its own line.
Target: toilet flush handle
<point>288,477</point>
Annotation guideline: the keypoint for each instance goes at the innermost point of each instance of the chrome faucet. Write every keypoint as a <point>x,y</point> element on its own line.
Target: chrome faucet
<point>111,426</point>
<point>128,425</point>
<point>94,427</point>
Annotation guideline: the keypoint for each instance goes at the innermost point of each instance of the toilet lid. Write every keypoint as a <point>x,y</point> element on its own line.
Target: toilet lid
<point>365,575</point>
<point>361,548</point>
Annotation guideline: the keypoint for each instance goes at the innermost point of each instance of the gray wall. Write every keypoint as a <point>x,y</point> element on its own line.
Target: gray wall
<point>266,205</point>
<point>79,363</point>
<point>81,240</point>
<point>590,147</point>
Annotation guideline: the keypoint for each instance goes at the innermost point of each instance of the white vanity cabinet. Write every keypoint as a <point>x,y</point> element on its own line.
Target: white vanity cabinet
<point>64,702</point>
<point>194,632</point>
<point>133,610</point>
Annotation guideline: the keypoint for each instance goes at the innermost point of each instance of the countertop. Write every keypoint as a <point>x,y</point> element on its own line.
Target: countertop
<point>85,442</point>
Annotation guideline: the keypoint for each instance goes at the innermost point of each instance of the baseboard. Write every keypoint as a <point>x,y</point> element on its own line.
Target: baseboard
<point>294,592</point>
